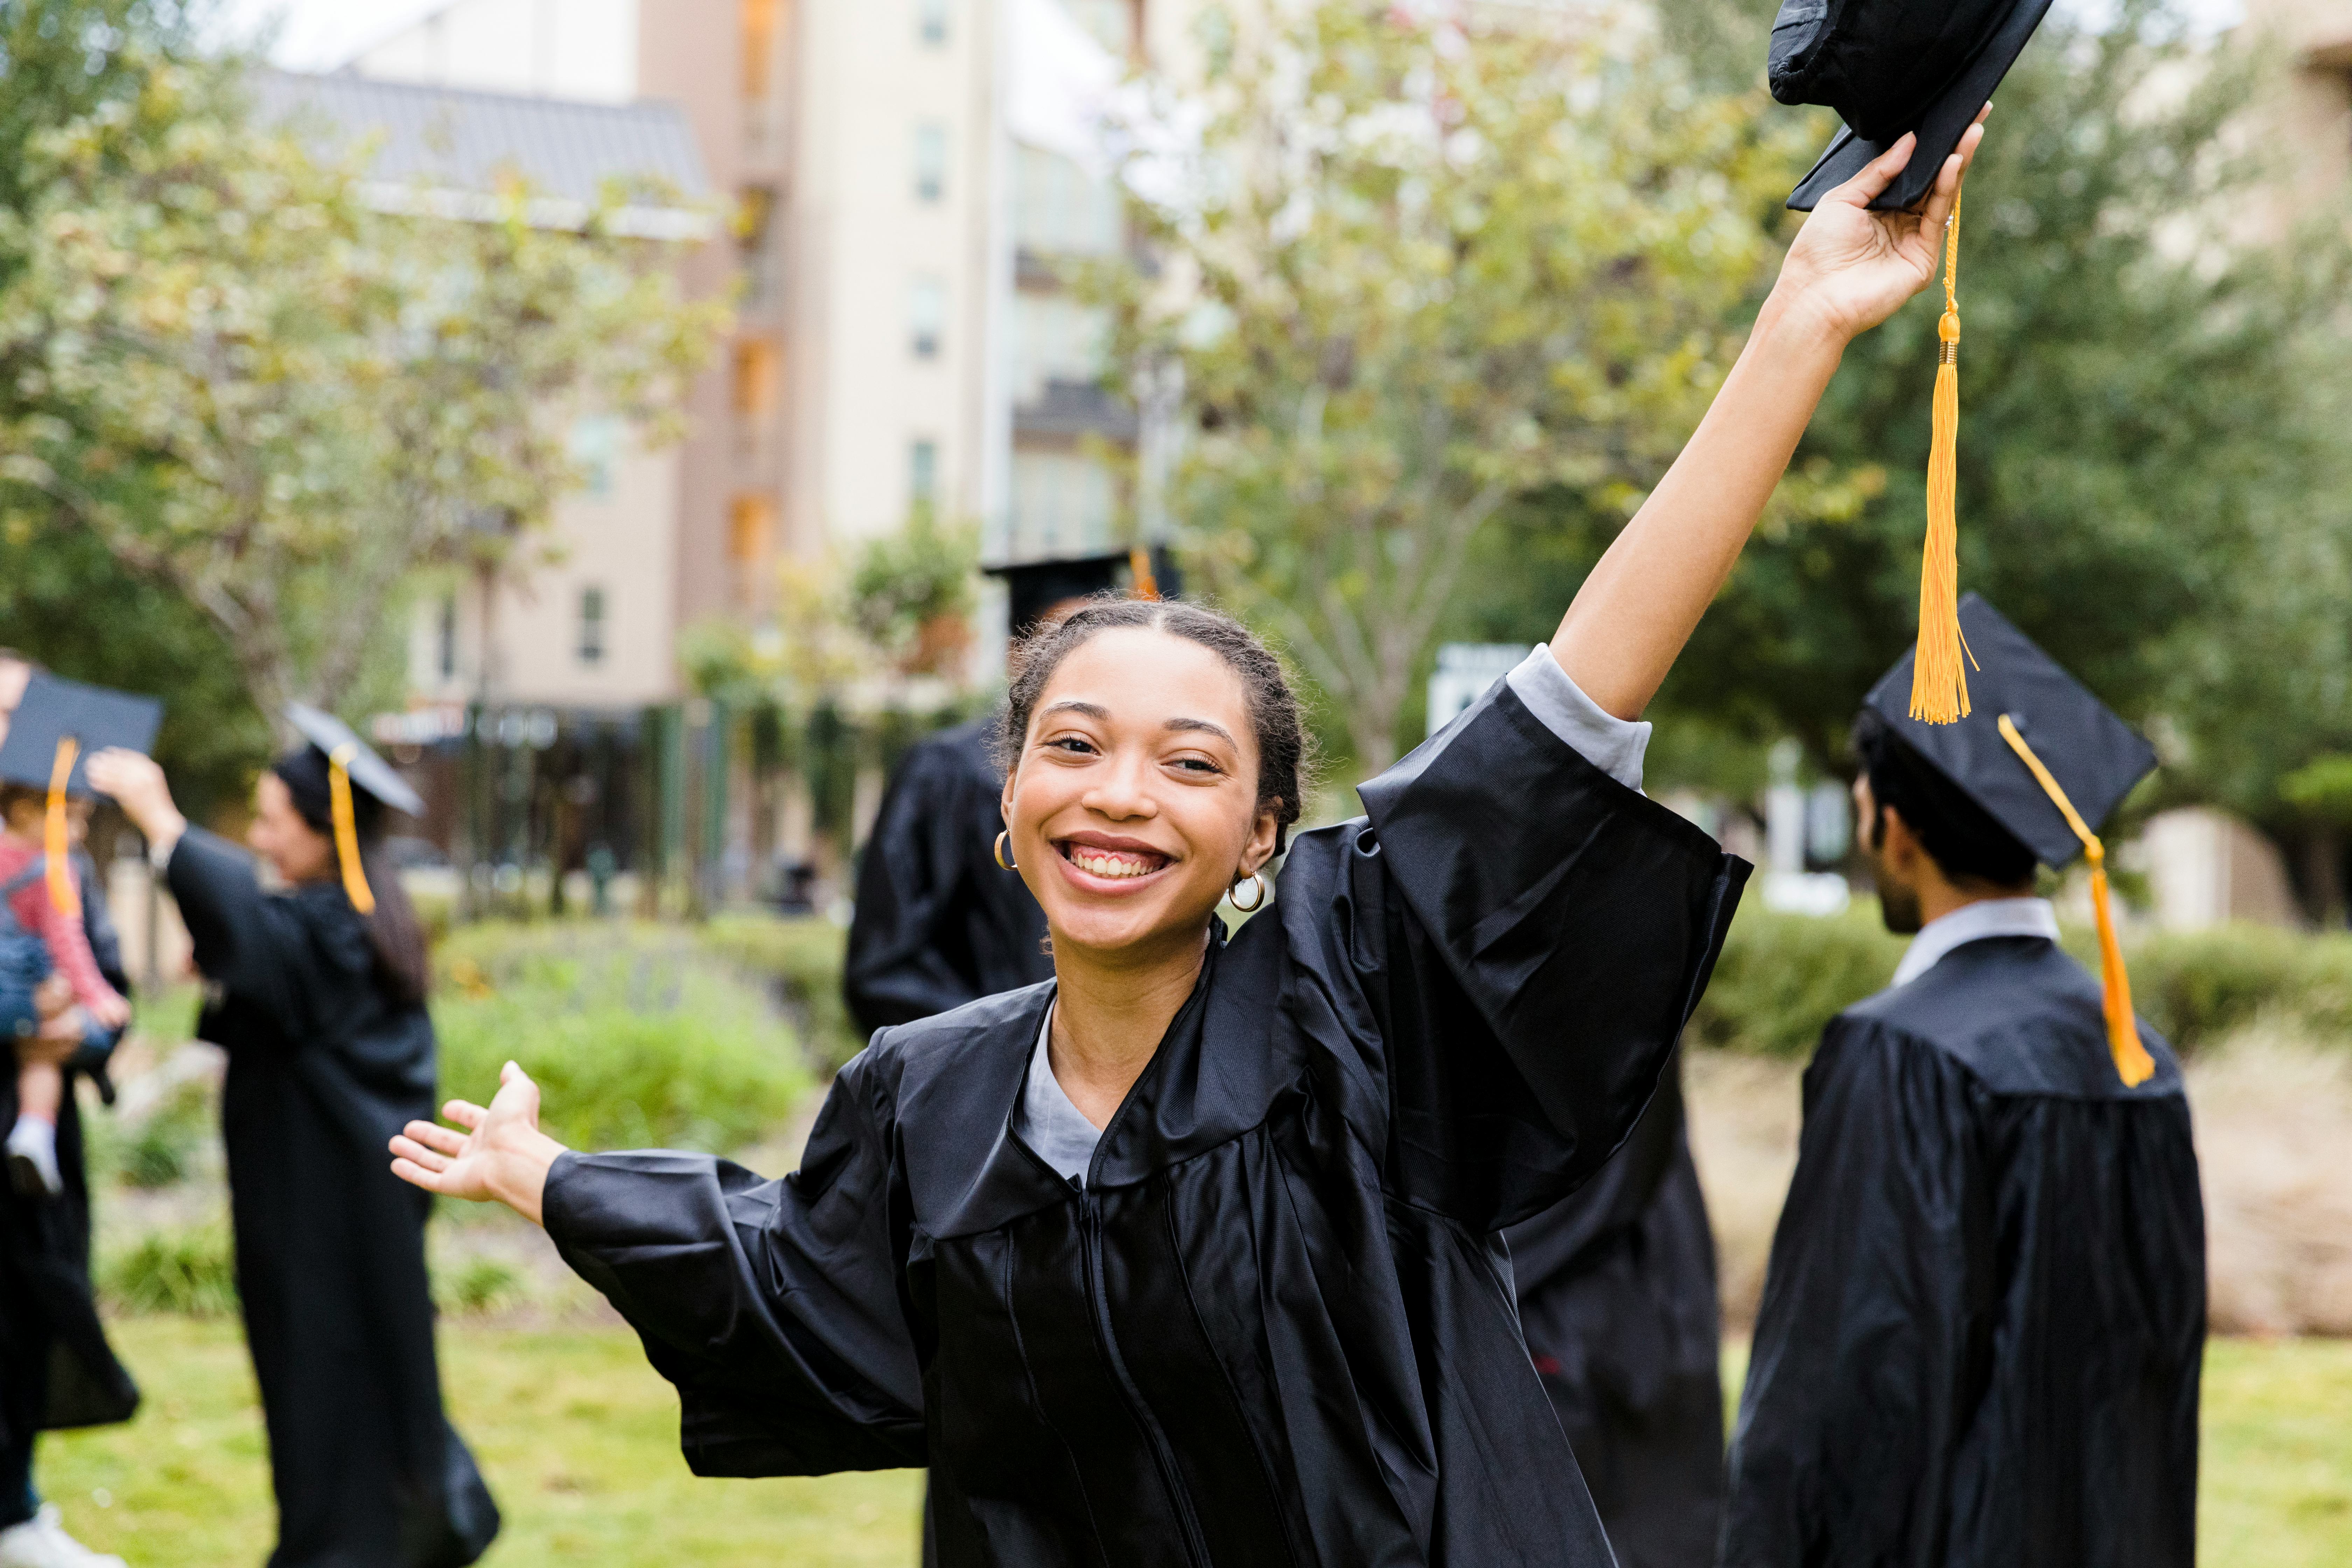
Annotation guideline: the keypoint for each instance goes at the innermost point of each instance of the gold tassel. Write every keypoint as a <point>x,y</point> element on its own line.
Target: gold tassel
<point>347,833</point>
<point>56,842</point>
<point>2133,1064</point>
<point>1939,685</point>
<point>1139,562</point>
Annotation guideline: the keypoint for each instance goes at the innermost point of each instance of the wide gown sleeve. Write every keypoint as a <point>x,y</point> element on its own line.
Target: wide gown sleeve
<point>251,944</point>
<point>774,1306</point>
<point>1873,1341</point>
<point>1531,935</point>
<point>896,970</point>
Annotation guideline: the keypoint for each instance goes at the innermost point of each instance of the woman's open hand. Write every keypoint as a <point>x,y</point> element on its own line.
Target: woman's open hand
<point>502,1156</point>
<point>1852,268</point>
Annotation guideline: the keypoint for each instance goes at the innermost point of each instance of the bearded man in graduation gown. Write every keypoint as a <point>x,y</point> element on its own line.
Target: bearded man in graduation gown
<point>1984,1319</point>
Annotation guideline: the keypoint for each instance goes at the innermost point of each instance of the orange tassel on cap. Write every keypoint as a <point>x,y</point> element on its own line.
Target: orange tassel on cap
<point>1139,562</point>
<point>2133,1064</point>
<point>1939,685</point>
<point>56,843</point>
<point>347,834</point>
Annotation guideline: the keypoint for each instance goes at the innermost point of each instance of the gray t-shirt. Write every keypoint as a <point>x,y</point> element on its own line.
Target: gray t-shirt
<point>1059,1131</point>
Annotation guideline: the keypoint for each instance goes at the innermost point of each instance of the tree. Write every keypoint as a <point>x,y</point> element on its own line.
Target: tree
<point>2152,479</point>
<point>1421,266</point>
<point>257,389</point>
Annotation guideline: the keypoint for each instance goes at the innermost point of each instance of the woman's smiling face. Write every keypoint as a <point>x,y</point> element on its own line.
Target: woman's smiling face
<point>1133,804</point>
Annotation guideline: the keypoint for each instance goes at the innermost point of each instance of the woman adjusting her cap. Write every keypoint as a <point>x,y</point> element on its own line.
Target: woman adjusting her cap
<point>1187,1257</point>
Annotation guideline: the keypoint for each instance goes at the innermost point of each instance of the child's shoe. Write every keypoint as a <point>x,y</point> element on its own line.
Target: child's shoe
<point>33,1169</point>
<point>41,1542</point>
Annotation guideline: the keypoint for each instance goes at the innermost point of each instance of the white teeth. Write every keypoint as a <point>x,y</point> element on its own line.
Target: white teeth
<point>1113,866</point>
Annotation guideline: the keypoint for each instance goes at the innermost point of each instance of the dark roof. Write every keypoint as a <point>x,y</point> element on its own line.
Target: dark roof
<point>456,142</point>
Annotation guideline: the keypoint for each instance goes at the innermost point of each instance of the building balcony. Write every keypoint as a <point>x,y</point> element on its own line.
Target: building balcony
<point>1072,410</point>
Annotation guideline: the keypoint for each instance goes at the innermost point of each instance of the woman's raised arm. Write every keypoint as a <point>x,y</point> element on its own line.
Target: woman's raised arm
<point>1850,269</point>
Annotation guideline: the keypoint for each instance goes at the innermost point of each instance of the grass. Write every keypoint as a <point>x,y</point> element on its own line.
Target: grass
<point>580,1441</point>
<point>578,1436</point>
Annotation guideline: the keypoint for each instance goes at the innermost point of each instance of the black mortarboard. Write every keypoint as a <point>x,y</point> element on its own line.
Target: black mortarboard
<point>2095,757</point>
<point>338,741</point>
<point>1036,587</point>
<point>55,709</point>
<point>1889,67</point>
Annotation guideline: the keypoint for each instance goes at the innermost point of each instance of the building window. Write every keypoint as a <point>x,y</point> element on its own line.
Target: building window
<point>592,625</point>
<point>759,46</point>
<point>931,23</point>
<point>751,525</point>
<point>445,638</point>
<point>1112,22</point>
<point>757,365</point>
<point>1059,209</point>
<point>923,474</point>
<point>753,224</point>
<point>926,317</point>
<point>1062,503</point>
<point>930,161</point>
<point>596,448</point>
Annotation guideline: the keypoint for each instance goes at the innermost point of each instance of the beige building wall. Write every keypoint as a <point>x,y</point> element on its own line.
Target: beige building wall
<point>2314,119</point>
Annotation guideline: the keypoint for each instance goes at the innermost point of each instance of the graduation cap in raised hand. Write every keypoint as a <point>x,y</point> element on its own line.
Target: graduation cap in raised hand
<point>57,725</point>
<point>352,764</point>
<point>2047,761</point>
<point>1893,67</point>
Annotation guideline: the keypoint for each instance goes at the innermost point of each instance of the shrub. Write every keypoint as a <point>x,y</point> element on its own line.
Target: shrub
<point>637,1036</point>
<point>159,1150</point>
<point>190,1271</point>
<point>801,957</point>
<point>478,1284</point>
<point>1782,977</point>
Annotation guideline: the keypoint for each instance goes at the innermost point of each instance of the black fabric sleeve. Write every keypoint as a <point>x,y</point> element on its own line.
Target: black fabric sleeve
<point>896,970</point>
<point>248,943</point>
<point>773,1305</point>
<point>1873,1343</point>
<point>1550,930</point>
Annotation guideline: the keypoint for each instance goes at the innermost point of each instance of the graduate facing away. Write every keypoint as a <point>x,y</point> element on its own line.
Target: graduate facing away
<point>1985,1315</point>
<point>1189,1257</point>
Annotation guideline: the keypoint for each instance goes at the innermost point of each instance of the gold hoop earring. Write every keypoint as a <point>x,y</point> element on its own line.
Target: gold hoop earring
<point>1257,900</point>
<point>1001,860</point>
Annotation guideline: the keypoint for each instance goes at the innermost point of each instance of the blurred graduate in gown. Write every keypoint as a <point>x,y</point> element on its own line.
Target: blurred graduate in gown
<point>318,996</point>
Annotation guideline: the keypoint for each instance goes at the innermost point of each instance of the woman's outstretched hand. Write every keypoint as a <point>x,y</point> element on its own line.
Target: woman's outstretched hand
<point>1854,268</point>
<point>502,1156</point>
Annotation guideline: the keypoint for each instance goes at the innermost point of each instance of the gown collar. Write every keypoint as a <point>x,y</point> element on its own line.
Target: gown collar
<point>1975,923</point>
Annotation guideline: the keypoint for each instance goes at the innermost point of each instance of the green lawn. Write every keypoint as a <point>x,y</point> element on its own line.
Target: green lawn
<point>580,1441</point>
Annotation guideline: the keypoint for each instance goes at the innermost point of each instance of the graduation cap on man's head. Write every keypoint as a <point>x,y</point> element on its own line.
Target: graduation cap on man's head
<point>1036,587</point>
<point>2047,761</point>
<point>350,763</point>
<point>1893,67</point>
<point>57,725</point>
<point>1888,67</point>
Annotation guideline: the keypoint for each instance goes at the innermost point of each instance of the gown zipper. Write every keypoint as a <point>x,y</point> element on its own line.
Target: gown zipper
<point>1090,1231</point>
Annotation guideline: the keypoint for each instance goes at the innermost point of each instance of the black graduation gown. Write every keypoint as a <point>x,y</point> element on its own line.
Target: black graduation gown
<point>1276,1325</point>
<point>323,1067</point>
<point>1985,1316</point>
<point>1617,1296</point>
<point>56,1371</point>
<point>939,923</point>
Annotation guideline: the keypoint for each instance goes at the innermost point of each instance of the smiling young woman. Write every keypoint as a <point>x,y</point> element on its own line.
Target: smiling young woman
<point>1187,1257</point>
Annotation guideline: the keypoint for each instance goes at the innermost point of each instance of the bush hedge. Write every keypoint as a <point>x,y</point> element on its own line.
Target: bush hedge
<point>800,955</point>
<point>638,1036</point>
<point>1781,977</point>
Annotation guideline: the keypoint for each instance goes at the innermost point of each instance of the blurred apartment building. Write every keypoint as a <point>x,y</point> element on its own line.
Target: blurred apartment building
<point>888,236</point>
<point>2314,120</point>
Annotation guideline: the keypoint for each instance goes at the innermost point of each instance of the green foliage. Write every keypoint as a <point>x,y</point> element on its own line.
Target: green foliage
<point>190,1271</point>
<point>911,593</point>
<point>162,1147</point>
<point>637,1037</point>
<point>2152,474</point>
<point>1782,977</point>
<point>477,1284</point>
<point>1439,263</point>
<point>801,957</point>
<point>2321,787</point>
<point>262,390</point>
